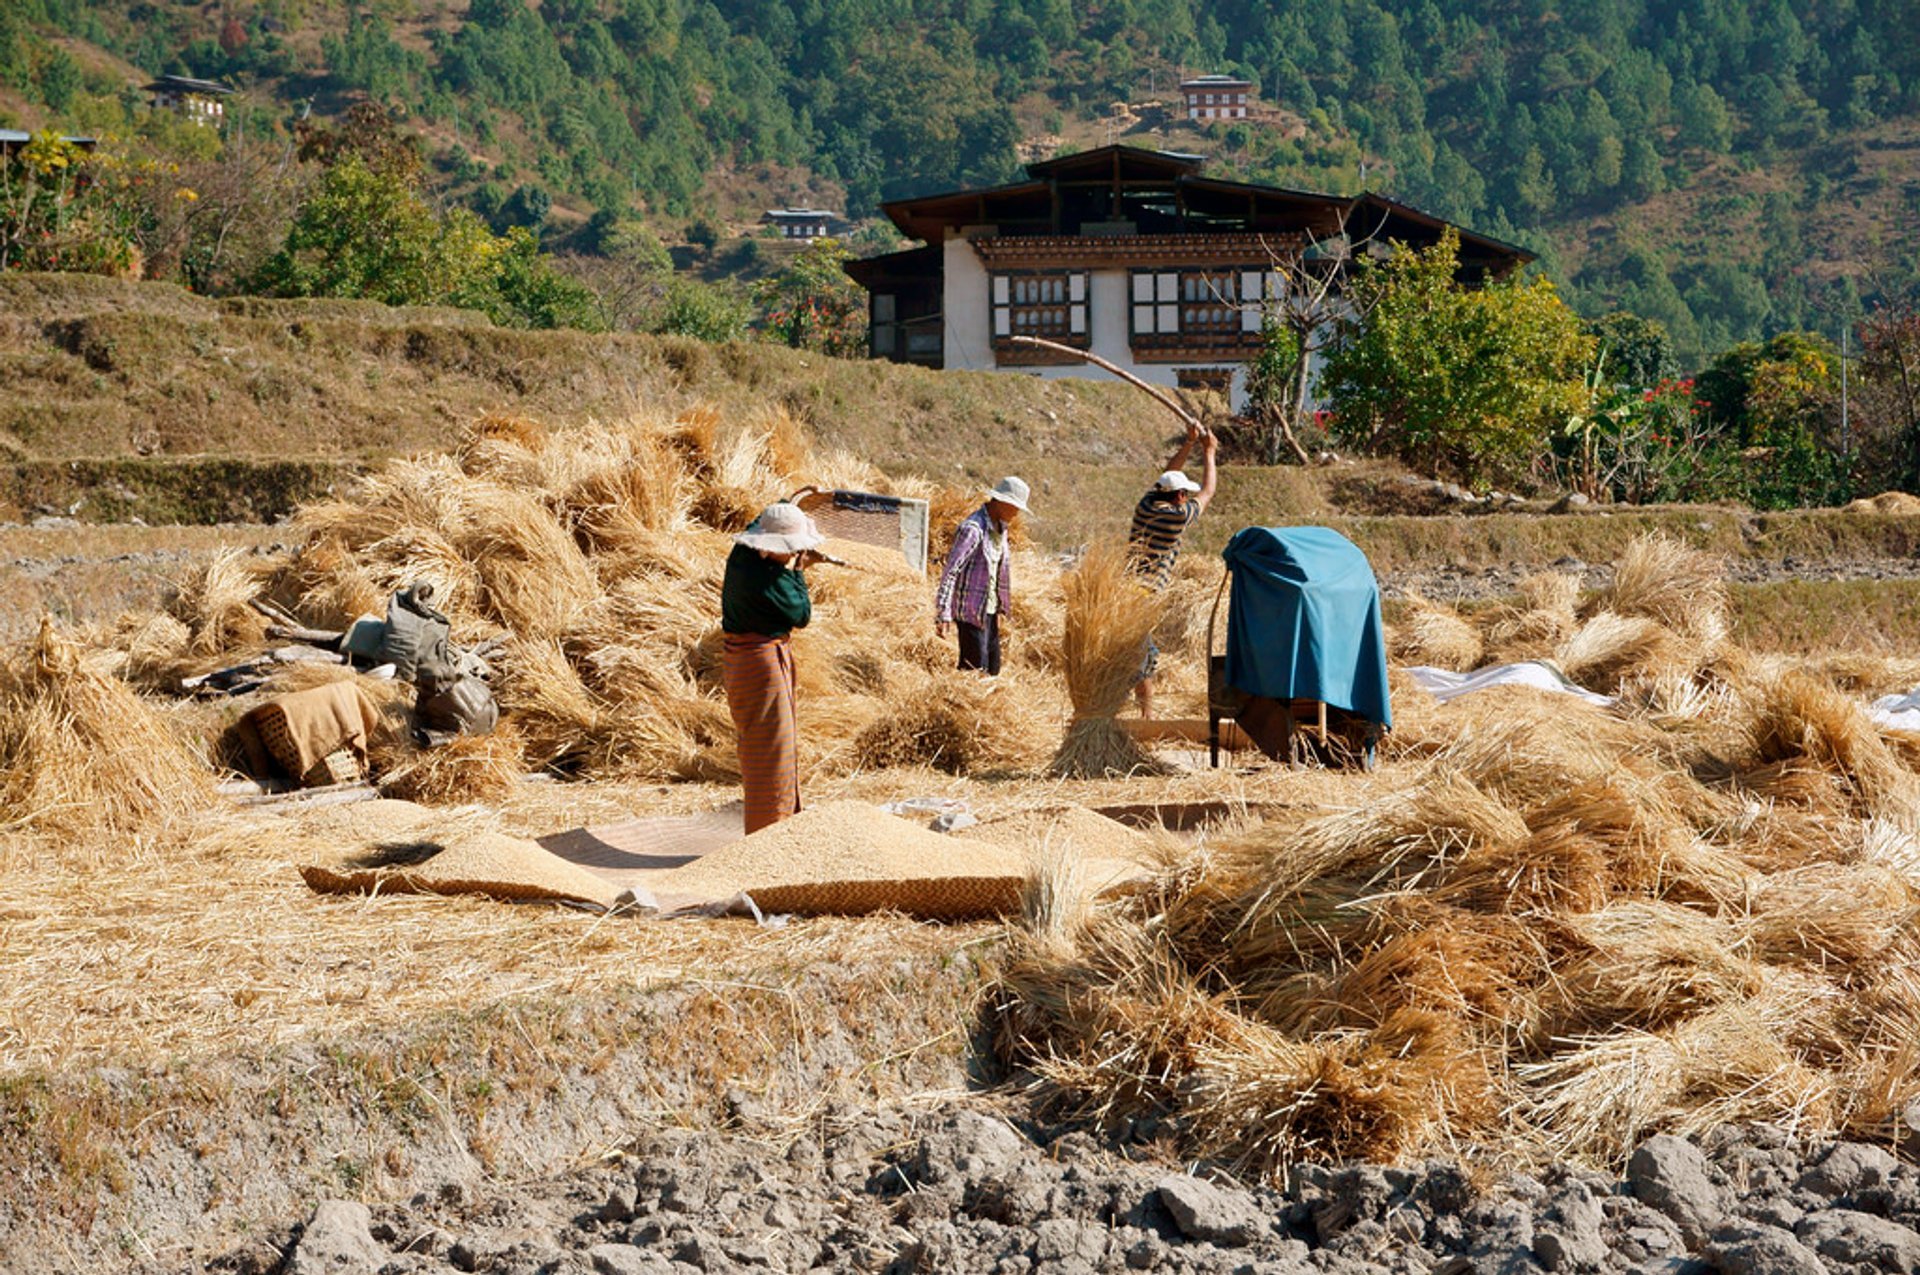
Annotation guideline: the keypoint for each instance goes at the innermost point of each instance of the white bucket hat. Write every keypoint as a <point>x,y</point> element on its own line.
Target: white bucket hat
<point>1011,490</point>
<point>1174,480</point>
<point>781,528</point>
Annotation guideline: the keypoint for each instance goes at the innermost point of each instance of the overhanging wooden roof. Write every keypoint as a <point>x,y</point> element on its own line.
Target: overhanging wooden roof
<point>1117,189</point>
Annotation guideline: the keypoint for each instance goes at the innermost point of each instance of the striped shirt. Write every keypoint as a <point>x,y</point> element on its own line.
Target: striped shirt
<point>1154,542</point>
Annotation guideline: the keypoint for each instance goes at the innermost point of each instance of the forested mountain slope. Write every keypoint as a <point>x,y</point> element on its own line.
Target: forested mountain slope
<point>1731,167</point>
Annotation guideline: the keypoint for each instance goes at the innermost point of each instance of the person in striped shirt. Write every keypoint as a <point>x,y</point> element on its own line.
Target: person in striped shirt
<point>1160,521</point>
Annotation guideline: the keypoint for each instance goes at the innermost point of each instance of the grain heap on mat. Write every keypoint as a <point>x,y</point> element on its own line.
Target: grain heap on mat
<point>799,862</point>
<point>848,858</point>
<point>1073,830</point>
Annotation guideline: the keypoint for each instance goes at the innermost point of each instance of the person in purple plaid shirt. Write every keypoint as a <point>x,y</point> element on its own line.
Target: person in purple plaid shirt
<point>977,583</point>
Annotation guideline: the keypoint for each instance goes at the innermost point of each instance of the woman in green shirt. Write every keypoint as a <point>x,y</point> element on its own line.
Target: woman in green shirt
<point>763,598</point>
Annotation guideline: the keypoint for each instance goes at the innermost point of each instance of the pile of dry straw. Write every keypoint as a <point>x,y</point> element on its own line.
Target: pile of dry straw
<point>598,554</point>
<point>1543,926</point>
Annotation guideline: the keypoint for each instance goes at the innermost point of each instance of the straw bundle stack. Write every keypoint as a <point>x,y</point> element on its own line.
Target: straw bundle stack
<point>1436,635</point>
<point>1109,618</point>
<point>1545,617</point>
<point>1546,930</point>
<point>598,554</point>
<point>79,751</point>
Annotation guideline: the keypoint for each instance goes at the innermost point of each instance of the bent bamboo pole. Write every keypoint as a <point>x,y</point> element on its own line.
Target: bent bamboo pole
<point>1186,418</point>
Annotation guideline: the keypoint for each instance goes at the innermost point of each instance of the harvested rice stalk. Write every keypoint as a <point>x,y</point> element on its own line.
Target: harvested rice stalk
<point>1546,617</point>
<point>81,752</point>
<point>1109,617</point>
<point>1793,717</point>
<point>467,769</point>
<point>961,723</point>
<point>1433,633</point>
<point>1647,964</point>
<point>1610,647</point>
<point>1683,588</point>
<point>215,602</point>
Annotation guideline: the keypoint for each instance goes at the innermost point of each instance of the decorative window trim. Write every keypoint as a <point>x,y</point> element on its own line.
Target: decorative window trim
<point>1045,303</point>
<point>1194,310</point>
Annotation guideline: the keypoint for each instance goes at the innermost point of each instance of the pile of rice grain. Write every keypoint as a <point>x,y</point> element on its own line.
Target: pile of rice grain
<point>839,841</point>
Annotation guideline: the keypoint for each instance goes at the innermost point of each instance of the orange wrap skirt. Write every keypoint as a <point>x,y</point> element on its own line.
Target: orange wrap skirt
<point>758,675</point>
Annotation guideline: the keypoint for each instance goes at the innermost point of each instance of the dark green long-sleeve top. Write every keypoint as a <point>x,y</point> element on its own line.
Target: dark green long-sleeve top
<point>759,595</point>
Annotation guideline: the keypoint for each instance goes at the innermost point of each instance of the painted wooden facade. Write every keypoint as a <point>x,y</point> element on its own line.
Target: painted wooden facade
<point>1130,254</point>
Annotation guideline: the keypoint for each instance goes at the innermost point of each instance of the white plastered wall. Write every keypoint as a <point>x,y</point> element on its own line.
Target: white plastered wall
<point>968,326</point>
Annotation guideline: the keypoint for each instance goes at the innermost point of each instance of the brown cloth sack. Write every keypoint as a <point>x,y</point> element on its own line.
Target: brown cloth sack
<point>303,730</point>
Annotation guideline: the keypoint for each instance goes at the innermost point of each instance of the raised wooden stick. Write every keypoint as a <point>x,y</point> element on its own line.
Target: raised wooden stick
<point>1087,356</point>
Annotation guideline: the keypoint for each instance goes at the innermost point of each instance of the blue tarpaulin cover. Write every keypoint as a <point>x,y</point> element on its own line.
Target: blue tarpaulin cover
<point>1304,622</point>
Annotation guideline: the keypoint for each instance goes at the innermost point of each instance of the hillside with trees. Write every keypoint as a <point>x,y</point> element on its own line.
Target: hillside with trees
<point>1731,169</point>
<point>1718,186</point>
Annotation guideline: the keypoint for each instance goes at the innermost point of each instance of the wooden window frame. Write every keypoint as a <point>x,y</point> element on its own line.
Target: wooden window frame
<point>1053,304</point>
<point>1191,313</point>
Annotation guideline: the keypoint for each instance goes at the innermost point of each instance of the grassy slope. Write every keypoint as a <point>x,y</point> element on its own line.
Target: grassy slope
<point>142,398</point>
<point>136,381</point>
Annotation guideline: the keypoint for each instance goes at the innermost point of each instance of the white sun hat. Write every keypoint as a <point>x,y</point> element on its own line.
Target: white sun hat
<point>1174,480</point>
<point>1013,491</point>
<point>781,528</point>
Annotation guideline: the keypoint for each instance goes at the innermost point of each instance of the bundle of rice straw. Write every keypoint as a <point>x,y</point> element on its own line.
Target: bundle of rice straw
<point>468,768</point>
<point>1681,587</point>
<point>215,602</point>
<point>1433,633</point>
<point>1109,618</point>
<point>1549,602</point>
<point>1550,934</point>
<point>958,722</point>
<point>80,751</point>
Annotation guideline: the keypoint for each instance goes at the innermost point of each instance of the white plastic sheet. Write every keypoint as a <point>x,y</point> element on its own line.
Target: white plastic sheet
<point>1448,685</point>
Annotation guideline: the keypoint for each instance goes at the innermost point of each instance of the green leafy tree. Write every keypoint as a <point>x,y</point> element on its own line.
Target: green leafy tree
<point>1634,352</point>
<point>1471,381</point>
<point>1777,401</point>
<point>62,209</point>
<point>706,311</point>
<point>811,304</point>
<point>365,230</point>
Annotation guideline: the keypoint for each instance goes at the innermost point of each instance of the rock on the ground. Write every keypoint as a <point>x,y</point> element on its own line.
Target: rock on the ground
<point>1848,1169</point>
<point>1570,1238</point>
<point>1671,1175</point>
<point>1210,1214</point>
<point>1862,1240</point>
<point>338,1241</point>
<point>626,1259</point>
<point>1748,1249</point>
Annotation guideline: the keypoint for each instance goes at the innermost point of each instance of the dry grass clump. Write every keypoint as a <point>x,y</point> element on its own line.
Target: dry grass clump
<point>1435,634</point>
<point>1108,620</point>
<point>1795,720</point>
<point>80,752</point>
<point>958,722</point>
<point>1545,617</point>
<point>470,768</point>
<point>1539,928</point>
<point>1682,587</point>
<point>215,602</point>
